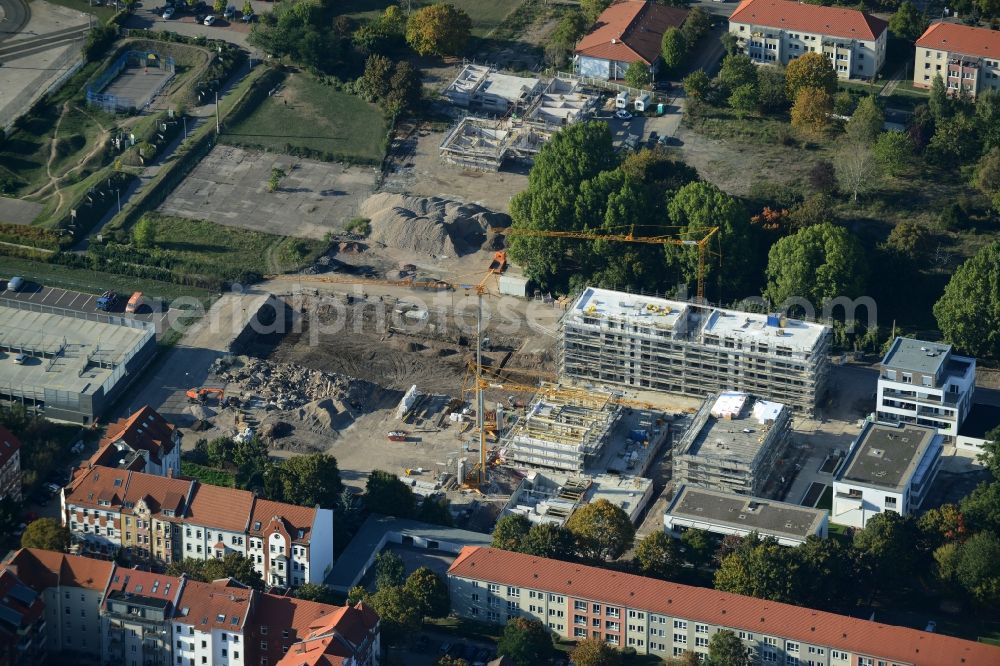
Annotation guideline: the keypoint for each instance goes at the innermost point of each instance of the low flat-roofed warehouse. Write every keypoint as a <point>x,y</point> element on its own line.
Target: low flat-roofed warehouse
<point>729,513</point>
<point>69,366</point>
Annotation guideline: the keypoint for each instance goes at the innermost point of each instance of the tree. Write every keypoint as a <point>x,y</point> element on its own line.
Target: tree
<point>526,642</point>
<point>275,181</point>
<point>730,43</point>
<point>448,660</point>
<point>548,540</point>
<point>771,94</point>
<point>977,568</point>
<point>637,74</point>
<point>658,556</point>
<point>745,99</point>
<point>390,571</point>
<point>858,169</point>
<point>315,592</point>
<point>397,611</point>
<point>908,23</point>
<point>673,48</point>
<point>47,534</point>
<point>987,177</point>
<point>429,592</point>
<point>826,560</point>
<point>436,510</point>
<point>943,524</point>
<point>758,568</point>
<point>696,85</point>
<point>990,456</point>
<point>510,531</point>
<point>698,547</point>
<point>385,493</point>
<point>726,649</point>
<point>689,658</point>
<point>10,519</point>
<point>694,208</point>
<point>219,6</point>
<point>247,8</point>
<point>988,119</point>
<point>893,152</point>
<point>940,104</point>
<point>593,8</point>
<point>968,313</point>
<point>595,652</point>
<point>866,122</point>
<point>696,25</point>
<point>438,29</point>
<point>811,110</point>
<point>144,232</point>
<point>232,565</point>
<point>736,71</point>
<point>888,546</point>
<point>811,70</point>
<point>816,263</point>
<point>406,87</point>
<point>911,239</point>
<point>981,507</point>
<point>356,594</point>
<point>603,531</point>
<point>373,85</point>
<point>311,479</point>
<point>954,141</point>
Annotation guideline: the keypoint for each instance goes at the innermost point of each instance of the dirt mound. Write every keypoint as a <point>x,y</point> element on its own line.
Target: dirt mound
<point>430,225</point>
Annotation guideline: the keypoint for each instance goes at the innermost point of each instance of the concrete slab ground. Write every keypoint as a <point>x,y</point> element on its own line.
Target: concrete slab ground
<point>137,84</point>
<point>229,187</point>
<point>51,299</point>
<point>45,50</point>
<point>18,211</point>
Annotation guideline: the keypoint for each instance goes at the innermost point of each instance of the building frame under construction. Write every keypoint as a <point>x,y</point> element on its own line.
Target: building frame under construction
<point>691,349</point>
<point>733,445</point>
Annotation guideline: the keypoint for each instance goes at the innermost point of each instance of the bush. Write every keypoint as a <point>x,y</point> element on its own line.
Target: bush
<point>361,226</point>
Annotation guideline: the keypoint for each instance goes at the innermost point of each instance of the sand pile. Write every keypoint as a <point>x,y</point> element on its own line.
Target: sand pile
<point>430,225</point>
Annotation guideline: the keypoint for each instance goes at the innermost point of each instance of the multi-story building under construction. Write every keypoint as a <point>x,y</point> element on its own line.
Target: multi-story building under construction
<point>691,349</point>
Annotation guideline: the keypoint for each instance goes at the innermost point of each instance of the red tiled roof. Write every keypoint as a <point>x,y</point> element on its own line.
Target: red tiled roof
<point>120,486</point>
<point>98,484</point>
<point>295,518</point>
<point>9,445</point>
<point>222,508</point>
<point>630,30</point>
<point>45,568</point>
<point>962,39</point>
<point>788,15</point>
<point>26,608</point>
<point>333,638</point>
<point>203,604</point>
<point>720,608</point>
<point>144,584</point>
<point>295,615</point>
<point>146,430</point>
<point>158,492</point>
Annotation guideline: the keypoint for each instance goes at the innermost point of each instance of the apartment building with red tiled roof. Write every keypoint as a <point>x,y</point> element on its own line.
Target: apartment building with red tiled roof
<point>10,465</point>
<point>628,31</point>
<point>668,619</point>
<point>778,31</point>
<point>114,615</point>
<point>22,621</point>
<point>966,58</point>
<point>144,442</point>
<point>160,520</point>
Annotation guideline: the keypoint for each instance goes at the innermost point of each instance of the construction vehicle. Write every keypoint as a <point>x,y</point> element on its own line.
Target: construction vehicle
<point>134,303</point>
<point>201,394</point>
<point>706,234</point>
<point>499,263</point>
<point>397,435</point>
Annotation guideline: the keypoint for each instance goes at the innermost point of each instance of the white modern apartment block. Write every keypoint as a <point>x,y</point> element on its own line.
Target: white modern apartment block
<point>290,545</point>
<point>924,383</point>
<point>209,622</point>
<point>656,344</point>
<point>966,58</point>
<point>778,31</point>
<point>889,468</point>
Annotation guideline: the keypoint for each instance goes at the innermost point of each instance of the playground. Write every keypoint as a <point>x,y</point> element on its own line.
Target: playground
<point>131,82</point>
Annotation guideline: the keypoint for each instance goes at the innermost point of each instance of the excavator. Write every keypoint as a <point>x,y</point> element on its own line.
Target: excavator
<point>201,394</point>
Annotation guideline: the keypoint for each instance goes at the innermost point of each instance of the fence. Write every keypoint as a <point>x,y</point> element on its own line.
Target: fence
<point>116,103</point>
<point>30,96</point>
<point>31,306</point>
<point>603,83</point>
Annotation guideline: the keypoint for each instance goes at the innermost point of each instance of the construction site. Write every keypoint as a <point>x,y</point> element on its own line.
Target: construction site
<point>526,112</point>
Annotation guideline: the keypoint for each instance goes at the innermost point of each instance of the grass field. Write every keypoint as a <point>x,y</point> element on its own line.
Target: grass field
<point>222,251</point>
<point>95,282</point>
<point>486,16</point>
<point>310,116</point>
<point>102,12</point>
<point>208,475</point>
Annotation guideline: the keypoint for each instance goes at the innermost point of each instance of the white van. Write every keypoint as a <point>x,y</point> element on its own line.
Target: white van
<point>621,101</point>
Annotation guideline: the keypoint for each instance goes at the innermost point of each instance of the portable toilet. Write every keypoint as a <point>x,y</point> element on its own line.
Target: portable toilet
<point>621,101</point>
<point>659,109</point>
<point>642,102</point>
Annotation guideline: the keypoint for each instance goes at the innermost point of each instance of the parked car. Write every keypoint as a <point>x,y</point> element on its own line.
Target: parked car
<point>16,283</point>
<point>200,18</point>
<point>107,301</point>
<point>19,359</point>
<point>209,20</point>
<point>230,12</point>
<point>168,13</point>
<point>622,114</point>
<point>249,18</point>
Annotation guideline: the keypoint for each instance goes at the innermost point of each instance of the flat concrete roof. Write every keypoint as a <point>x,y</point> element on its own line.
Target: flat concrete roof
<point>355,557</point>
<point>887,456</point>
<point>749,513</point>
<point>508,87</point>
<point>916,356</point>
<point>739,436</point>
<point>663,313</point>
<point>64,351</point>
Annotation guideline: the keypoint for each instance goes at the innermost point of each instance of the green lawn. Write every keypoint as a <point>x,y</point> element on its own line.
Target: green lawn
<point>102,12</point>
<point>95,282</point>
<point>208,475</point>
<point>486,16</point>
<point>313,119</point>
<point>200,246</point>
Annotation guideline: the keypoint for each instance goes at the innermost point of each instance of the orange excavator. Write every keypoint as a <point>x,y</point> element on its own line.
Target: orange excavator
<point>201,394</point>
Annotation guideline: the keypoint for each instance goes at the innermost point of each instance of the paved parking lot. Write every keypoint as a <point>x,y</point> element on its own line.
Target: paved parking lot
<point>52,299</point>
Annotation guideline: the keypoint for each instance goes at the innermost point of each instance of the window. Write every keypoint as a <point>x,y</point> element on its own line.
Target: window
<point>579,633</point>
<point>680,624</point>
<point>770,641</point>
<point>475,611</point>
<point>493,587</point>
<point>792,647</point>
<point>681,638</point>
<point>701,641</point>
<point>746,636</point>
<point>579,619</point>
<point>613,612</point>
<point>580,605</point>
<point>596,609</point>
<point>837,654</point>
<point>907,377</point>
<point>890,502</point>
<point>475,597</point>
<point>513,591</point>
<point>701,628</point>
<point>511,605</point>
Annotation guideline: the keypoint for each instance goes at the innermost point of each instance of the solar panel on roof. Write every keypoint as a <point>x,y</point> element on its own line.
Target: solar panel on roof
<point>10,616</point>
<point>23,593</point>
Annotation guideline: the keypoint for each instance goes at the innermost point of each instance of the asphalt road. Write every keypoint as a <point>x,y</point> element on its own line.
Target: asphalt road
<point>14,15</point>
